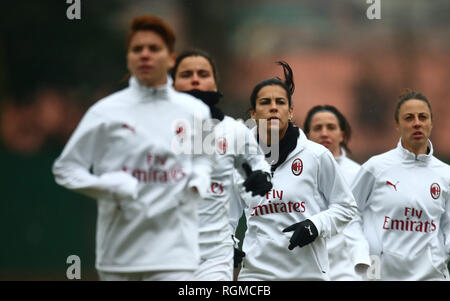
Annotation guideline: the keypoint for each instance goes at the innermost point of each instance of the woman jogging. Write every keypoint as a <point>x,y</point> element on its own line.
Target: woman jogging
<point>195,73</point>
<point>326,125</point>
<point>310,201</point>
<point>403,199</point>
<point>126,153</point>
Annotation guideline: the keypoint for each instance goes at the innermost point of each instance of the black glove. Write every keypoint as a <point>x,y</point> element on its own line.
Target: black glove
<point>258,182</point>
<point>238,256</point>
<point>305,233</point>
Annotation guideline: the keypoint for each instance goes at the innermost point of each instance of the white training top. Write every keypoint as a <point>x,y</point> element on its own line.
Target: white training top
<point>348,167</point>
<point>308,185</point>
<point>125,154</point>
<point>235,145</point>
<point>340,246</point>
<point>404,203</point>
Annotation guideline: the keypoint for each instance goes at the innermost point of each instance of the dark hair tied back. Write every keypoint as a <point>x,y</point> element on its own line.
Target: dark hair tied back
<point>409,94</point>
<point>288,77</point>
<point>287,84</point>
<point>344,125</point>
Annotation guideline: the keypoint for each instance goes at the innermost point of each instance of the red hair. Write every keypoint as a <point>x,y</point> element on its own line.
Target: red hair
<point>155,24</point>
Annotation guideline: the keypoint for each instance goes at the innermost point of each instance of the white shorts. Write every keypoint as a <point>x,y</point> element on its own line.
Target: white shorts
<point>217,267</point>
<point>148,276</point>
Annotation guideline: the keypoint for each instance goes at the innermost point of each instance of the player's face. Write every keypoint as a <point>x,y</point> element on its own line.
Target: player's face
<point>195,73</point>
<point>272,104</point>
<point>414,124</point>
<point>325,129</point>
<point>149,58</point>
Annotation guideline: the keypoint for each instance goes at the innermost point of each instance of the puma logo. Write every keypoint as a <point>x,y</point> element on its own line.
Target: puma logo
<point>395,186</point>
<point>309,228</point>
<point>126,126</point>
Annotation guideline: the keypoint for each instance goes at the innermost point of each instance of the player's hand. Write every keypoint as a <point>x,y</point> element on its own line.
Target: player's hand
<point>304,233</point>
<point>121,185</point>
<point>361,269</point>
<point>238,256</point>
<point>258,182</point>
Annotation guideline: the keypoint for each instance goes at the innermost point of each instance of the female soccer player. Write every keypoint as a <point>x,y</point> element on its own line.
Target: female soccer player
<point>403,199</point>
<point>126,154</point>
<point>196,73</point>
<point>326,125</point>
<point>310,201</point>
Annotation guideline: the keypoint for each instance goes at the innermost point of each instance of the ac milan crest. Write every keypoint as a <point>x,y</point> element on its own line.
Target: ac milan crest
<point>297,167</point>
<point>435,190</point>
<point>222,145</point>
<point>179,129</point>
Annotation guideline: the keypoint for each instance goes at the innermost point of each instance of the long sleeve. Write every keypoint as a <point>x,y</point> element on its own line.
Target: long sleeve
<point>237,204</point>
<point>202,161</point>
<point>249,150</point>
<point>84,148</point>
<point>341,204</point>
<point>357,242</point>
<point>201,177</point>
<point>445,225</point>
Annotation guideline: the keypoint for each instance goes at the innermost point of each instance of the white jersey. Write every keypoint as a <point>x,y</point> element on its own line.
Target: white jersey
<point>125,153</point>
<point>235,145</point>
<point>348,167</point>
<point>308,185</point>
<point>404,202</point>
<point>342,247</point>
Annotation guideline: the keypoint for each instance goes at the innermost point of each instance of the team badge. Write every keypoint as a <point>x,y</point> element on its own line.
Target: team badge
<point>222,145</point>
<point>297,167</point>
<point>435,190</point>
<point>179,129</point>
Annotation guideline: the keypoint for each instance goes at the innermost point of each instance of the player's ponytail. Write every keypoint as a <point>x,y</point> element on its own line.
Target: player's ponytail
<point>287,84</point>
<point>288,77</point>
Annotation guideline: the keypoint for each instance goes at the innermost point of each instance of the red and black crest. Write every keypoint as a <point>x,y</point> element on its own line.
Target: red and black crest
<point>435,190</point>
<point>180,129</point>
<point>222,145</point>
<point>297,167</point>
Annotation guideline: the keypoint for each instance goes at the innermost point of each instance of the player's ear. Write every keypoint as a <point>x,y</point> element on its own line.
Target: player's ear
<point>172,60</point>
<point>252,113</point>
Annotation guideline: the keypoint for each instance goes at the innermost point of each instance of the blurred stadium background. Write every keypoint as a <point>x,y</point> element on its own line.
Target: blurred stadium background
<point>52,69</point>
